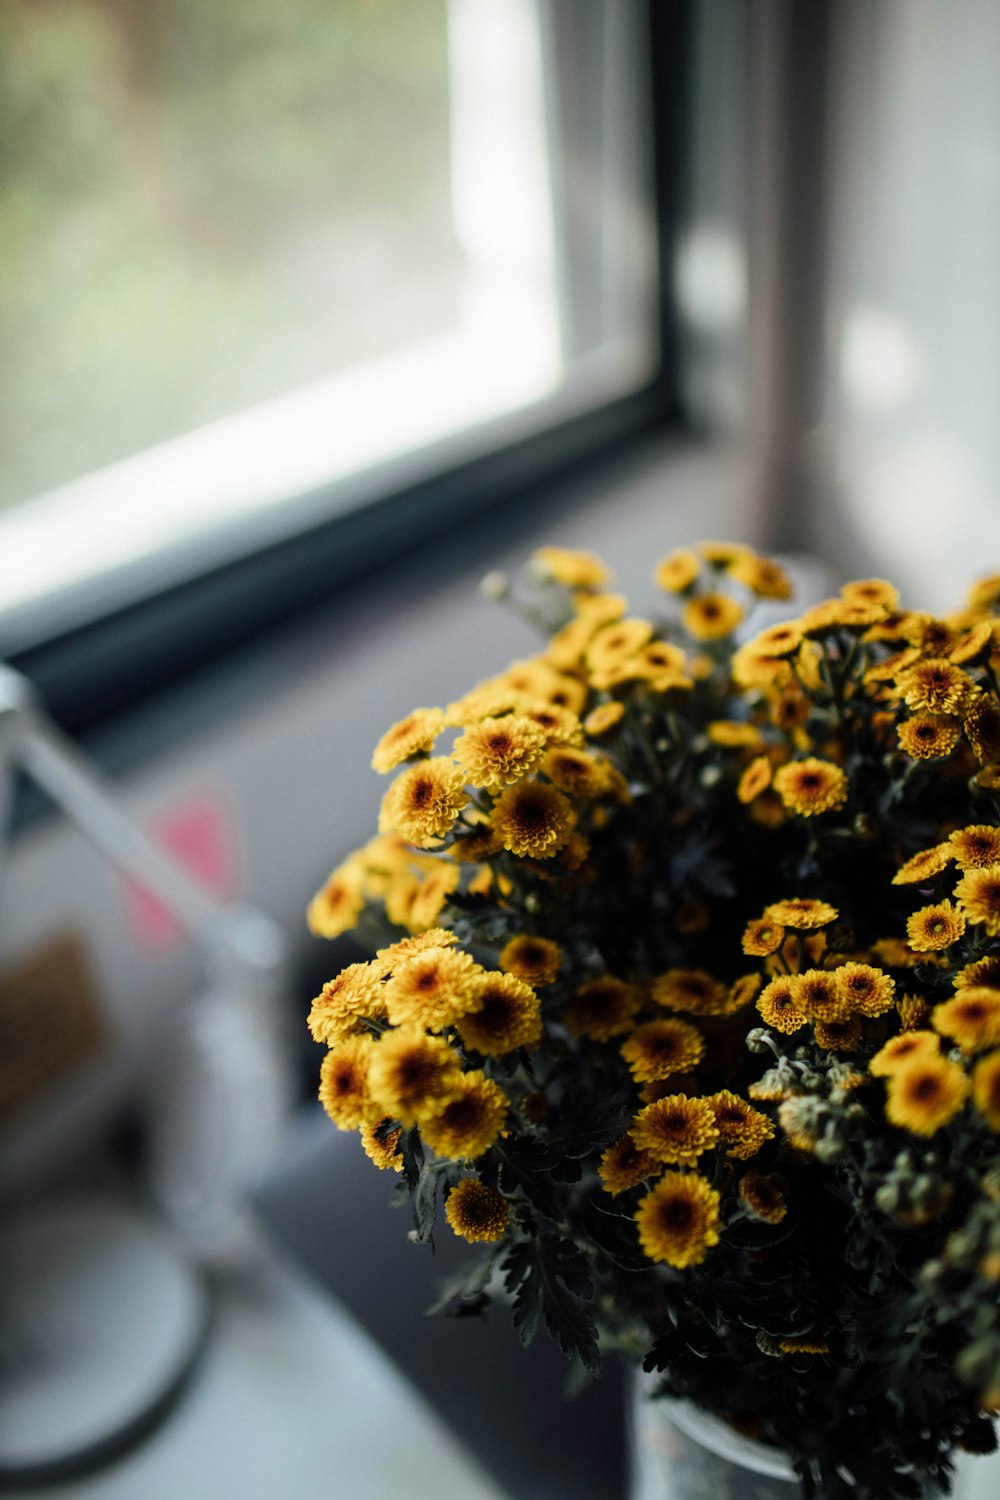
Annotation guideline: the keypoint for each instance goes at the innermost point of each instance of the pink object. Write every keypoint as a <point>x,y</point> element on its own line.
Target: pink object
<point>198,833</point>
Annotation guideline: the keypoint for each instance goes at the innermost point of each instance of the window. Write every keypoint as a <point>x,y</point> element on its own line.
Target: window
<point>265,266</point>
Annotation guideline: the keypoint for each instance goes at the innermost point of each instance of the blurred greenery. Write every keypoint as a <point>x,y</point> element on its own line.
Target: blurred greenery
<point>204,203</point>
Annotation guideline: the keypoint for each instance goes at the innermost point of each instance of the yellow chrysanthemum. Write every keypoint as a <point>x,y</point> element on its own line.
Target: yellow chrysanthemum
<point>925,1093</point>
<point>867,990</point>
<point>560,726</point>
<point>431,989</point>
<point>602,1008</point>
<point>381,1146</point>
<point>762,576</point>
<point>533,820</point>
<point>929,736</point>
<point>424,801</point>
<point>429,901</point>
<point>735,734</point>
<point>724,554</point>
<point>658,1048</point>
<point>469,1122</point>
<point>783,639</point>
<point>802,913</point>
<point>503,1016</point>
<point>615,643</point>
<point>838,1035</point>
<point>343,1002</point>
<point>763,1197</point>
<point>975,846</point>
<point>475,847</point>
<point>742,991</point>
<point>400,893</point>
<point>414,735</point>
<point>742,1128</point>
<point>477,1213</point>
<point>986,1089</point>
<point>411,1072</point>
<point>755,779</point>
<point>602,719</point>
<point>676,1129</point>
<point>975,645</point>
<point>919,868</point>
<point>677,571</point>
<point>982,971</point>
<point>711,617</point>
<point>338,903</point>
<point>903,1049</point>
<point>935,927</point>
<point>343,1082</point>
<point>575,771</point>
<point>691,991</point>
<point>575,570</point>
<point>913,1012</point>
<point>811,786</point>
<point>871,591</point>
<point>536,960</point>
<point>386,959</point>
<point>678,1221</point>
<point>762,936</point>
<point>981,722</point>
<point>979,892</point>
<point>816,993</point>
<point>972,1018</point>
<point>496,752</point>
<point>624,1166</point>
<point>934,685</point>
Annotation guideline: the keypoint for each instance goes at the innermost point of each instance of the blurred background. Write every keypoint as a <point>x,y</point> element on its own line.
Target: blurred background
<point>312,313</point>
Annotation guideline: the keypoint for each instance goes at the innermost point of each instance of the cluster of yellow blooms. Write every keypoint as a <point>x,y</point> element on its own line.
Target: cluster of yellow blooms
<point>507,800</point>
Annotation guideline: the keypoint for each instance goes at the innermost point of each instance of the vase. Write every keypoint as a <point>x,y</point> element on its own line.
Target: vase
<point>678,1452</point>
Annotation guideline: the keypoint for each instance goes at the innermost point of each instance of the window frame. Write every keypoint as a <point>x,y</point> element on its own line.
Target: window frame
<point>90,670</point>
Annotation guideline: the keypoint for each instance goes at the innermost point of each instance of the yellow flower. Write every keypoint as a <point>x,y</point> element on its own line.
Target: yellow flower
<point>624,1166</point>
<point>803,1346</point>
<point>601,720</point>
<point>338,904</point>
<point>935,927</point>
<point>602,1008</point>
<point>503,1016</point>
<point>343,1002</point>
<point>811,786</point>
<point>925,1093</point>
<point>724,554</point>
<point>431,989</point>
<point>412,736</point>
<point>919,868</point>
<point>678,1220</point>
<point>710,617</point>
<point>838,1035</point>
<point>913,1012</point>
<point>435,937</point>
<point>496,752</point>
<point>755,779</point>
<point>928,736</point>
<point>974,646</point>
<point>575,772</point>
<point>972,1018</point>
<point>691,991</point>
<point>658,1048</point>
<point>575,570</point>
<point>382,1148</point>
<point>762,576</point>
<point>981,721</point>
<point>429,900</point>
<point>802,912</point>
<point>986,1089</point>
<point>735,734</point>
<point>742,991</point>
<point>343,1082</point>
<point>743,1128</point>
<point>762,936</point>
<point>533,820</point>
<point>934,685</point>
<point>475,847</point>
<point>868,991</point>
<point>871,591</point>
<point>817,994</point>
<point>536,960</point>
<point>469,1122</point>
<point>903,1049</point>
<point>424,801</point>
<point>779,640</point>
<point>676,1129</point>
<point>560,726</point>
<point>763,1197</point>
<point>477,1213</point>
<point>975,846</point>
<point>615,643</point>
<point>983,971</point>
<point>678,570</point>
<point>400,894</point>
<point>985,593</point>
<point>411,1072</point>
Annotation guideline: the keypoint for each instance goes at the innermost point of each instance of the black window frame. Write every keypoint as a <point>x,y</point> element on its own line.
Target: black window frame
<point>93,670</point>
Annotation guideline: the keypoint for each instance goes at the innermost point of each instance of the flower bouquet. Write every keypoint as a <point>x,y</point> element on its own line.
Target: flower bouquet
<point>685,1001</point>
